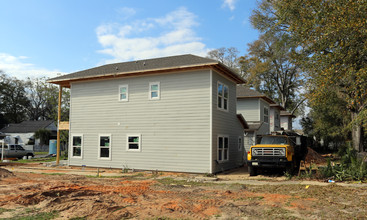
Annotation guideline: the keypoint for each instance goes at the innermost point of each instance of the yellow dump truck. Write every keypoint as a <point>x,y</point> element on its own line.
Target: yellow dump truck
<point>280,150</point>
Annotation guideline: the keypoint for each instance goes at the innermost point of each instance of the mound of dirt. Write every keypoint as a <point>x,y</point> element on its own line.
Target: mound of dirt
<point>5,173</point>
<point>314,157</point>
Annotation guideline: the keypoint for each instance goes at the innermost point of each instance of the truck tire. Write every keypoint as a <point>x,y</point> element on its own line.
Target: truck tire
<point>252,170</point>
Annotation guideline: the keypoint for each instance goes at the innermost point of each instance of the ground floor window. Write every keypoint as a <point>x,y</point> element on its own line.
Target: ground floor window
<point>134,142</point>
<point>223,148</point>
<point>104,146</point>
<point>77,144</point>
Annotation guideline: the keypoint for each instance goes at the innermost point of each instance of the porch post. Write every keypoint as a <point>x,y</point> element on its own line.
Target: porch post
<point>58,127</point>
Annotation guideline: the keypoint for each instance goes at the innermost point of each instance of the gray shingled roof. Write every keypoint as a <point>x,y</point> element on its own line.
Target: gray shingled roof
<point>254,126</point>
<point>26,126</point>
<point>246,92</point>
<point>164,63</point>
<point>285,113</point>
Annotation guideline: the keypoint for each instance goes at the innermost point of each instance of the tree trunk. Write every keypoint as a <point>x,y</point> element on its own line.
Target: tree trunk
<point>357,135</point>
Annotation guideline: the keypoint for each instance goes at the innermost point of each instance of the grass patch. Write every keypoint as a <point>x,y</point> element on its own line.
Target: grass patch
<point>53,173</point>
<point>41,153</point>
<point>29,214</point>
<point>170,181</point>
<point>40,160</point>
<point>2,210</point>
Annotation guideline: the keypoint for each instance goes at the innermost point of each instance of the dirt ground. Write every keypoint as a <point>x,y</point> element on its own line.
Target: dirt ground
<point>143,195</point>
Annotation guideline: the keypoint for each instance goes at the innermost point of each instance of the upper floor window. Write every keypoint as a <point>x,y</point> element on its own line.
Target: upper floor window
<point>222,96</point>
<point>124,93</point>
<point>266,115</point>
<point>154,91</point>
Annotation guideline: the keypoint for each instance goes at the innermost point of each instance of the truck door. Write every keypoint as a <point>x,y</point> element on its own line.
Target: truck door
<point>12,152</point>
<point>20,151</point>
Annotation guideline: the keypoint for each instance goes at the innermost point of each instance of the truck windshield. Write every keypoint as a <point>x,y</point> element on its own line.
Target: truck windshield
<point>273,140</point>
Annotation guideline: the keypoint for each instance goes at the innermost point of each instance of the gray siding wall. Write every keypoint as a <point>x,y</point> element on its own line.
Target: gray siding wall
<point>175,130</point>
<point>249,108</point>
<point>226,123</point>
<point>249,141</point>
<point>274,121</point>
<point>286,122</point>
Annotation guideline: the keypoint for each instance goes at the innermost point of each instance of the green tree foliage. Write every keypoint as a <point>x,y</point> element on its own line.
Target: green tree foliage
<point>43,99</point>
<point>31,99</point>
<point>13,99</point>
<point>333,39</point>
<point>44,136</point>
<point>328,121</point>
<point>268,68</point>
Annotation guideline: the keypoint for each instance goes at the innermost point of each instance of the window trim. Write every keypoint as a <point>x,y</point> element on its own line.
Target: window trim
<point>99,147</point>
<point>150,91</point>
<point>127,142</point>
<point>266,115</point>
<point>224,137</point>
<point>127,93</point>
<point>222,97</point>
<point>81,146</point>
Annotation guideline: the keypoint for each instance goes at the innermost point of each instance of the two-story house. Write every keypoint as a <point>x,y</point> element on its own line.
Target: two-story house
<point>255,107</point>
<point>275,110</point>
<point>286,120</point>
<point>171,114</point>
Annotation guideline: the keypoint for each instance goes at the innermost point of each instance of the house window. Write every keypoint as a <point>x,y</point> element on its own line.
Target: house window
<point>240,145</point>
<point>124,93</point>
<point>77,144</point>
<point>154,90</point>
<point>223,151</point>
<point>222,96</point>
<point>134,142</point>
<point>104,146</point>
<point>266,115</point>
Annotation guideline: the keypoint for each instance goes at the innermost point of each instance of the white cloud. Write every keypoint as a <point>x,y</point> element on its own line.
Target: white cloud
<point>171,34</point>
<point>20,68</point>
<point>230,4</point>
<point>126,12</point>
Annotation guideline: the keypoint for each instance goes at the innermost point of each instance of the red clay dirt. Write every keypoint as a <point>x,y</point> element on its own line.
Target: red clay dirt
<point>74,196</point>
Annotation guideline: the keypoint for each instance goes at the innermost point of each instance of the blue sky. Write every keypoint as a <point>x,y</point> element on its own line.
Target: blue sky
<point>42,37</point>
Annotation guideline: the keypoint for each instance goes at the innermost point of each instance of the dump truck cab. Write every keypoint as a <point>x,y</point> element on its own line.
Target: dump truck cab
<point>272,151</point>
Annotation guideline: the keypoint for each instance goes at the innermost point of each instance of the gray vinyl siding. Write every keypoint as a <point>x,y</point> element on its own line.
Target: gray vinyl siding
<point>226,123</point>
<point>274,122</point>
<point>249,108</point>
<point>175,130</point>
<point>249,141</point>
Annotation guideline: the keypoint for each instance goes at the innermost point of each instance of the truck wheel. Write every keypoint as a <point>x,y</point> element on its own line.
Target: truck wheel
<point>252,170</point>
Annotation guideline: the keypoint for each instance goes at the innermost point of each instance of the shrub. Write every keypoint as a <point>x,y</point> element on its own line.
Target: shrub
<point>350,168</point>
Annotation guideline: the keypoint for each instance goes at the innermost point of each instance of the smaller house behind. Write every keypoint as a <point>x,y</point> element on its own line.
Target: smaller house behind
<point>23,133</point>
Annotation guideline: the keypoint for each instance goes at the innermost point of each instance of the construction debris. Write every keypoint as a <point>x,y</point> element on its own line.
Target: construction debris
<point>5,173</point>
<point>314,157</point>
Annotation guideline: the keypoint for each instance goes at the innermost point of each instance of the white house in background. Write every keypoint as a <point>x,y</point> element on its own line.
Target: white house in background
<point>275,110</point>
<point>286,119</point>
<point>172,114</point>
<point>255,107</point>
<point>23,133</point>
